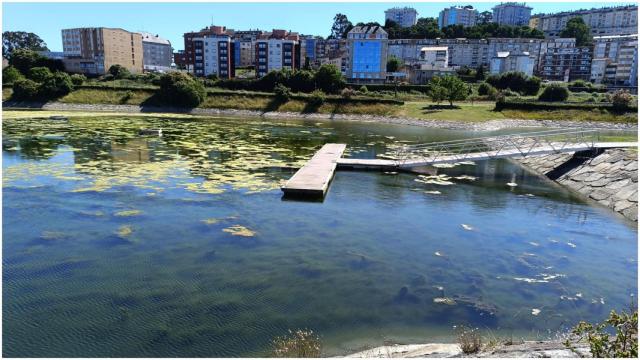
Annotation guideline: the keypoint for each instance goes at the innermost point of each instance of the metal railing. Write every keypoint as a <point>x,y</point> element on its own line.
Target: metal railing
<point>497,146</point>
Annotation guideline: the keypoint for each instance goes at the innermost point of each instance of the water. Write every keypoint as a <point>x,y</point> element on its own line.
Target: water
<point>121,245</point>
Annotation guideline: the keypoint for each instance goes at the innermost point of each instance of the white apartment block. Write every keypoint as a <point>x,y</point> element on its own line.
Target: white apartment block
<point>405,17</point>
<point>157,53</point>
<point>276,54</point>
<point>615,60</point>
<point>511,13</point>
<point>458,15</point>
<point>213,56</point>
<point>507,61</point>
<point>619,20</point>
<point>435,57</point>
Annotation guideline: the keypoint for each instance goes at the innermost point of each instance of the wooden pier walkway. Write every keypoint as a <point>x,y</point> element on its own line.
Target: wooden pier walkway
<point>312,180</point>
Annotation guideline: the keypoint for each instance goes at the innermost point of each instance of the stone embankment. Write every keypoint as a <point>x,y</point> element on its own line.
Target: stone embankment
<point>491,125</point>
<point>609,178</point>
<point>526,349</point>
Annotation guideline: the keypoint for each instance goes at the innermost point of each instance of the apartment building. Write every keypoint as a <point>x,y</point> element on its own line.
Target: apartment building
<point>244,52</point>
<point>507,61</point>
<point>332,51</point>
<point>461,52</point>
<point>367,54</point>
<point>403,16</point>
<point>512,13</point>
<point>179,60</point>
<point>214,55</point>
<point>516,45</point>
<point>157,52</point>
<point>189,49</point>
<point>615,60</point>
<point>618,20</point>
<point>458,15</point>
<point>561,60</point>
<point>277,50</point>
<point>434,56</point>
<point>94,50</point>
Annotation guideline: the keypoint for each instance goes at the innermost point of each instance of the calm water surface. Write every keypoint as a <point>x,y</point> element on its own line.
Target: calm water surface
<point>180,245</point>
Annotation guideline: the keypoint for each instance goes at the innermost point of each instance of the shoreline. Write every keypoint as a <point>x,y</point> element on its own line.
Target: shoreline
<point>491,125</point>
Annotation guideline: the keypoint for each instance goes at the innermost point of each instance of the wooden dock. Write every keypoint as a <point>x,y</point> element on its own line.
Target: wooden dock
<point>312,180</point>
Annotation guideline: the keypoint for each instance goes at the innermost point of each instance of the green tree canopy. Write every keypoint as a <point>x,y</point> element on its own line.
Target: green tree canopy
<point>24,60</point>
<point>119,72</point>
<point>180,89</point>
<point>393,64</point>
<point>576,28</point>
<point>14,40</point>
<point>449,88</point>
<point>329,79</point>
<point>341,26</point>
<point>39,74</point>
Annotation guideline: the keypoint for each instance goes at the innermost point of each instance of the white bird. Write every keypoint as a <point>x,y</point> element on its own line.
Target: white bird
<point>513,181</point>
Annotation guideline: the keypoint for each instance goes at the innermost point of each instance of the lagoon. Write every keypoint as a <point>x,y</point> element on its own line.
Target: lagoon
<point>117,244</point>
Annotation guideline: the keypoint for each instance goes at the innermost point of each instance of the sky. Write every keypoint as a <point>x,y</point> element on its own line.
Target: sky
<point>170,20</point>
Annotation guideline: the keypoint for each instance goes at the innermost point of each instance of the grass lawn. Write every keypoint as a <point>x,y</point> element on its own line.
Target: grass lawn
<point>479,111</point>
<point>111,97</point>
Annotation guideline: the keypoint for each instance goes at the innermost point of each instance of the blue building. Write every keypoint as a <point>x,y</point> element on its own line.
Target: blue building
<point>367,54</point>
<point>511,13</point>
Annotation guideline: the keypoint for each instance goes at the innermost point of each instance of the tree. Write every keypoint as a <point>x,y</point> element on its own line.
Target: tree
<point>621,99</point>
<point>10,74</point>
<point>25,89</point>
<point>486,89</point>
<point>480,73</point>
<point>39,74</point>
<point>59,84</point>
<point>78,79</point>
<point>341,26</point>
<point>576,28</point>
<point>329,79</point>
<point>393,64</point>
<point>13,40</point>
<point>302,81</point>
<point>554,92</point>
<point>449,88</point>
<point>180,89</point>
<point>24,60</point>
<point>119,72</point>
<point>531,86</point>
<point>485,17</point>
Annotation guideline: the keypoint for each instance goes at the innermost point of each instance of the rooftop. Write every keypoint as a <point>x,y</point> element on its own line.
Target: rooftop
<point>368,29</point>
<point>151,38</point>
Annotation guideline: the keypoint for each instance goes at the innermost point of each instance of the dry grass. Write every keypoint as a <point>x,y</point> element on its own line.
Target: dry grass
<point>575,115</point>
<point>298,344</point>
<point>111,97</point>
<point>6,93</point>
<point>469,339</point>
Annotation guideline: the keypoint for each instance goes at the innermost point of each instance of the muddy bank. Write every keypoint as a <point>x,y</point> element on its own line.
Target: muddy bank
<point>526,349</point>
<point>458,125</point>
<point>609,178</point>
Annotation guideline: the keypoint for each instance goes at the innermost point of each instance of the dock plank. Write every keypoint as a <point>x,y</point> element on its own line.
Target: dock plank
<point>314,177</point>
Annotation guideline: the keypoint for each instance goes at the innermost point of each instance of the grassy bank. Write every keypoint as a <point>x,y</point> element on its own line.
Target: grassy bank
<point>413,108</point>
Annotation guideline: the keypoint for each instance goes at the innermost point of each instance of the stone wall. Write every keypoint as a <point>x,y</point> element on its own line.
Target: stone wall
<point>609,177</point>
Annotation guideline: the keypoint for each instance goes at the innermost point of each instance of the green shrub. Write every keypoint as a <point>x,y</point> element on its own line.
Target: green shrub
<point>119,72</point>
<point>554,92</point>
<point>24,60</point>
<point>298,344</point>
<point>602,344</point>
<point>78,79</point>
<point>317,98</point>
<point>107,77</point>
<point>485,89</point>
<point>329,79</point>
<point>10,74</point>
<point>508,93</point>
<point>180,89</point>
<point>59,84</point>
<point>39,74</point>
<point>282,93</point>
<point>126,97</point>
<point>25,89</point>
<point>301,81</point>
<point>363,89</point>
<point>531,86</point>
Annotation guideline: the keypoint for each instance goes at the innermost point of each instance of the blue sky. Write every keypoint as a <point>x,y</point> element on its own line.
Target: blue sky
<point>171,20</point>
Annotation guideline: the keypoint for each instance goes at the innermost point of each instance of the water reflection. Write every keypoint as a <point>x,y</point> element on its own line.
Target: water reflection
<point>122,245</point>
